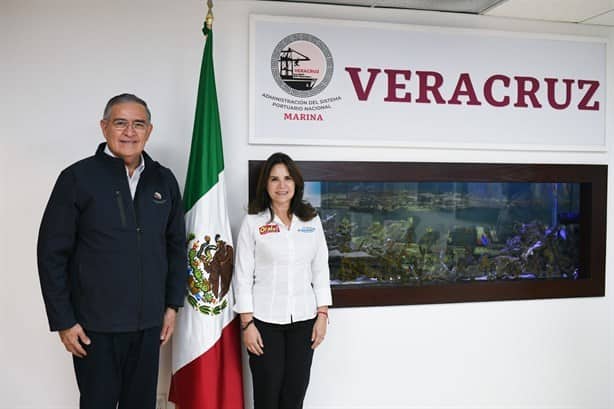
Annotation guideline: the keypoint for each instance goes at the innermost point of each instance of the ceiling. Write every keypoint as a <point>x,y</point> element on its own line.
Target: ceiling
<point>599,12</point>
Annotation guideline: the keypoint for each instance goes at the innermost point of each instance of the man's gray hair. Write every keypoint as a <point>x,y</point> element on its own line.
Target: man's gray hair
<point>123,98</point>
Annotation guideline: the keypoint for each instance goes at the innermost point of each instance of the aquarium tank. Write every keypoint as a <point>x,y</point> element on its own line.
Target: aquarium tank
<point>425,233</point>
<point>404,233</point>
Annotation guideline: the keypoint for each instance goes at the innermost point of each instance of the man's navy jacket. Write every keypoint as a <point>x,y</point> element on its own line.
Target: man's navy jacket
<point>105,261</point>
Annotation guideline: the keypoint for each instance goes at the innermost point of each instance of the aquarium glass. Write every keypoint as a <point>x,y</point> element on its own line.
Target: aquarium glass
<point>434,233</point>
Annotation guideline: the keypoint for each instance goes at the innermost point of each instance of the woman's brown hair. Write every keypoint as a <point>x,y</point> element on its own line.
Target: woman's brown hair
<point>302,209</point>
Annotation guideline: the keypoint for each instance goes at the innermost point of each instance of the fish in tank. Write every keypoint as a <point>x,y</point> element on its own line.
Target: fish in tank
<point>432,233</point>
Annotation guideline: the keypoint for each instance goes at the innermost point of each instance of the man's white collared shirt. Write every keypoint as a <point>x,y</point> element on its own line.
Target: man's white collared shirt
<point>133,180</point>
<point>281,274</point>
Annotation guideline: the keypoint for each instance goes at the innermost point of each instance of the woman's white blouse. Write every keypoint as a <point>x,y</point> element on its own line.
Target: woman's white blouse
<point>281,275</point>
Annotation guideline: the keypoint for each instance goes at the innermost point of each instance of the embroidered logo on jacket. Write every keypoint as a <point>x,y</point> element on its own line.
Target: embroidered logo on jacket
<point>268,228</point>
<point>157,198</point>
<point>306,229</point>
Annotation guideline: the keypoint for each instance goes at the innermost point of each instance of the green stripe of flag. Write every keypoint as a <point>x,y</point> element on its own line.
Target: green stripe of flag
<point>206,157</point>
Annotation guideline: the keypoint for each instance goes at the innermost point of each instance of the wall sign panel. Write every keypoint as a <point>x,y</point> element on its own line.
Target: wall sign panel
<point>333,82</point>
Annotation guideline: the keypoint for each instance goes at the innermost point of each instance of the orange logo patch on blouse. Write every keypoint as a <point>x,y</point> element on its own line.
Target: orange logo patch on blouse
<point>268,228</point>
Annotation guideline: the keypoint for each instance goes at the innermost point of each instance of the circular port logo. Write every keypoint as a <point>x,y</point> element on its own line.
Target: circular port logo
<point>302,65</point>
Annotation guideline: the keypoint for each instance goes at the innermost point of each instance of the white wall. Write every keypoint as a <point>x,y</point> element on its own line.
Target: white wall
<point>60,61</point>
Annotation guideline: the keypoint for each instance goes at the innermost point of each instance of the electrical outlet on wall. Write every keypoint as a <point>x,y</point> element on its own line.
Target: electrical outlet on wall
<point>161,402</point>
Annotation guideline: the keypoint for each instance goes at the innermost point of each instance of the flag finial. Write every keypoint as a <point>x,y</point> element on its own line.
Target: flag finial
<point>209,18</point>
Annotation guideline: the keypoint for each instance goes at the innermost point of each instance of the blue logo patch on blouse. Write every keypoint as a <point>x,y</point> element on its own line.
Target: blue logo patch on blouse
<point>306,229</point>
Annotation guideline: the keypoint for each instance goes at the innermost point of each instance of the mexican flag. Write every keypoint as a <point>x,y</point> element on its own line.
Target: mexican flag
<point>206,354</point>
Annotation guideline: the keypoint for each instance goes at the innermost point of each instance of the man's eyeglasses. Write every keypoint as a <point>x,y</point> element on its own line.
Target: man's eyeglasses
<point>122,124</point>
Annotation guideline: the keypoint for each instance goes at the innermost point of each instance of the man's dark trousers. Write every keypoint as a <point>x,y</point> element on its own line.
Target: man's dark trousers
<point>119,367</point>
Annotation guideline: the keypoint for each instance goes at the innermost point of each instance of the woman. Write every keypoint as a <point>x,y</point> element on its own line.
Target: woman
<point>281,284</point>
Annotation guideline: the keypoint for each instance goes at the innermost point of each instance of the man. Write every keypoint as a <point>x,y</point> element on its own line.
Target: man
<point>112,262</point>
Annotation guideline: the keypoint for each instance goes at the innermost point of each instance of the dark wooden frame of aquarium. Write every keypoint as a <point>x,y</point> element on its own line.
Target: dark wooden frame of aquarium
<point>593,202</point>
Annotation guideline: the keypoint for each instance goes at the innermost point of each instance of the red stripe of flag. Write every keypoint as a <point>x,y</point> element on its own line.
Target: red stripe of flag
<point>214,379</point>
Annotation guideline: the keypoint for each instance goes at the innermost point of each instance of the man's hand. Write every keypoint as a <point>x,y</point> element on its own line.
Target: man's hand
<point>72,339</point>
<point>168,325</point>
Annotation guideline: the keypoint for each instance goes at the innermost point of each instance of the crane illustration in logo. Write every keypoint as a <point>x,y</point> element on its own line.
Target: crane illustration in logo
<point>301,65</point>
<point>288,60</point>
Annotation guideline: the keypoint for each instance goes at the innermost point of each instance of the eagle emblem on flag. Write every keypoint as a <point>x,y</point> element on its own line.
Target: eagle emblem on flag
<point>210,266</point>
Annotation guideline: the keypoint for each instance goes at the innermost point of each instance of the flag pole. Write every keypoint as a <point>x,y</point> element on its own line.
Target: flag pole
<point>206,356</point>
